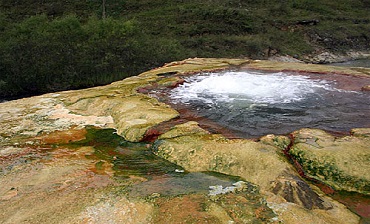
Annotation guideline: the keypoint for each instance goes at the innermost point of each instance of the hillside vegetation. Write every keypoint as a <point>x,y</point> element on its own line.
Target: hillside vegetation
<point>54,45</point>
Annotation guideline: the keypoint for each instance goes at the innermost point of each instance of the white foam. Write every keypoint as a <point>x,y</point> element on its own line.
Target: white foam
<point>252,87</point>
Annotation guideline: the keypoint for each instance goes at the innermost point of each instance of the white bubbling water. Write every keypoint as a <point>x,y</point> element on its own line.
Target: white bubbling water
<point>254,104</point>
<point>258,88</point>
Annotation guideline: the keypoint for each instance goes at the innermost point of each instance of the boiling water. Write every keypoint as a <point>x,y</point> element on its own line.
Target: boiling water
<point>256,103</point>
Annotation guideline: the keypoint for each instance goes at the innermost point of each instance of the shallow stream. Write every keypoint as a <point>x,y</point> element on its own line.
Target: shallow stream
<point>135,161</point>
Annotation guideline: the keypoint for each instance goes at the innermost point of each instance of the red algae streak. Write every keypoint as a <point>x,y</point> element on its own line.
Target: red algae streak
<point>187,115</point>
<point>342,81</point>
<point>323,187</point>
<point>358,203</point>
<point>63,137</point>
<point>207,124</point>
<point>152,134</point>
<point>34,146</point>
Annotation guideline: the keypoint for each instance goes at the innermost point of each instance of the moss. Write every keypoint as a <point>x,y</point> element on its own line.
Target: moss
<point>324,168</point>
<point>99,165</point>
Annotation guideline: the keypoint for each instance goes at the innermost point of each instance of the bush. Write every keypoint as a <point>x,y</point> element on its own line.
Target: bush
<point>57,45</point>
<point>39,55</point>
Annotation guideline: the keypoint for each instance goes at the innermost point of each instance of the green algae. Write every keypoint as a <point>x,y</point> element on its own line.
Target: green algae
<point>128,159</point>
<point>326,169</point>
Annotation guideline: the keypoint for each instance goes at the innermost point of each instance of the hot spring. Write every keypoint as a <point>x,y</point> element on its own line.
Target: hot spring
<point>253,103</point>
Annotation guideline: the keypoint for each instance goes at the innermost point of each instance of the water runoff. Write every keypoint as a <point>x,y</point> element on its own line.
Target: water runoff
<point>257,103</point>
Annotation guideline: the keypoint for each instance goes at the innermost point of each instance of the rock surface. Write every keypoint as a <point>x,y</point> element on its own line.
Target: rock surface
<point>340,162</point>
<point>256,162</point>
<point>366,88</point>
<point>329,57</point>
<point>53,171</point>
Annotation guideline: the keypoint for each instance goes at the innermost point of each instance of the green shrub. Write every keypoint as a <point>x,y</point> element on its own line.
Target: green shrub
<point>55,45</point>
<point>40,55</point>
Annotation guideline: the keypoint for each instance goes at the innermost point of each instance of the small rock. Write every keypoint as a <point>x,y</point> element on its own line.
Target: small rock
<point>218,189</point>
<point>366,88</point>
<point>155,195</point>
<point>10,194</point>
<point>295,190</point>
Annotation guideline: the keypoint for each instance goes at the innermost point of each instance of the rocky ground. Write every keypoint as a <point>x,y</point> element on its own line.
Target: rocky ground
<point>56,169</point>
<point>323,57</point>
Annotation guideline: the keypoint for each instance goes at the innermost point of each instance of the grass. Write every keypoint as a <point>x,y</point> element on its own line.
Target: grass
<point>54,45</point>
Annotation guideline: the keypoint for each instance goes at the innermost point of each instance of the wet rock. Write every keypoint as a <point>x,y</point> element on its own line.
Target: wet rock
<point>293,189</point>
<point>189,128</point>
<point>360,132</point>
<point>240,207</point>
<point>340,162</point>
<point>207,152</point>
<point>135,115</point>
<point>366,88</point>
<point>261,163</point>
<point>132,116</point>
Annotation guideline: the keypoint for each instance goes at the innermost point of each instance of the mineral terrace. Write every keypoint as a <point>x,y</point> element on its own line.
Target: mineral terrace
<point>47,176</point>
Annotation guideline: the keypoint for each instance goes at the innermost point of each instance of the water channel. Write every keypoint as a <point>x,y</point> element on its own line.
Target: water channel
<point>157,175</point>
